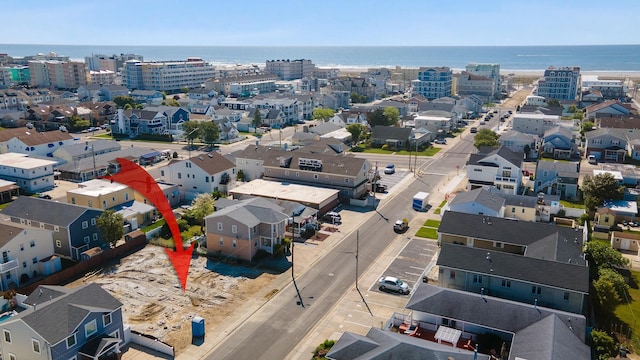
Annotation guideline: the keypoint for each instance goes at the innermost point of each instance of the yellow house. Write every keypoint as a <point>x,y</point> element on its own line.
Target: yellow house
<point>605,217</point>
<point>100,194</point>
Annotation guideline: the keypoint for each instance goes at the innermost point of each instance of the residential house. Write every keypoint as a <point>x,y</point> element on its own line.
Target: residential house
<point>242,230</point>
<point>74,227</point>
<point>324,128</point>
<point>62,323</point>
<point>32,142</point>
<point>89,92</point>
<point>560,142</point>
<point>609,107</point>
<point>101,112</point>
<point>135,122</point>
<point>501,168</point>
<point>74,152</point>
<point>108,92</point>
<point>290,108</point>
<point>623,209</point>
<point>514,260</point>
<point>27,253</point>
<point>472,84</point>
<point>590,97</point>
<point>477,201</point>
<point>147,96</point>
<point>609,89</point>
<point>534,124</point>
<point>618,122</point>
<point>557,177</point>
<point>250,161</point>
<point>8,190</point>
<point>393,137</point>
<point>176,116</point>
<point>356,85</point>
<point>518,142</point>
<point>31,174</point>
<point>100,194</point>
<point>135,214</point>
<point>12,118</point>
<point>199,174</point>
<point>437,124</point>
<point>83,169</point>
<point>625,241</point>
<point>433,82</point>
<point>608,144</point>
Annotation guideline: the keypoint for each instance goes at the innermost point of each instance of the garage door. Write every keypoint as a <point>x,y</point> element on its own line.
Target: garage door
<point>625,244</point>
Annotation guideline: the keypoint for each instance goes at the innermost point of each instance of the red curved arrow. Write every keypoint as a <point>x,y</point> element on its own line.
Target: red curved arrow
<point>132,175</point>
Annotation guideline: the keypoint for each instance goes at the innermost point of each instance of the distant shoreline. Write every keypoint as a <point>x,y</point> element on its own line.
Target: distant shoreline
<point>602,74</point>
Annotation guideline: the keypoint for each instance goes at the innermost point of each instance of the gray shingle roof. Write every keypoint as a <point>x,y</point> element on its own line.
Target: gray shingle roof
<point>59,317</point>
<point>513,266</point>
<point>251,214</point>
<point>563,168</point>
<point>98,146</point>
<point>47,211</point>
<point>561,342</point>
<point>489,311</point>
<point>391,132</point>
<point>537,237</point>
<point>493,201</point>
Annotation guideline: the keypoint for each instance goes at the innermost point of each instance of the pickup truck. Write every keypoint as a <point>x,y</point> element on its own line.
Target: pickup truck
<point>401,226</point>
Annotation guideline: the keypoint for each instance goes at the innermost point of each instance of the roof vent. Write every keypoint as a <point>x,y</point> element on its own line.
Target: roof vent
<point>210,155</point>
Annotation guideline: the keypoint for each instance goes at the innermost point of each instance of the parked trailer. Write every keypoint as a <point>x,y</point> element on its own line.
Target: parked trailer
<point>421,201</point>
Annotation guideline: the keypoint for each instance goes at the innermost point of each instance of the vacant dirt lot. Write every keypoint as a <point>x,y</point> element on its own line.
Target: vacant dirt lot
<point>154,303</point>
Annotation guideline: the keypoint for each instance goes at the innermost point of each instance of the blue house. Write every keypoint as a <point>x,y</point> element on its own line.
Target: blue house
<point>62,323</point>
<point>147,96</point>
<point>74,227</point>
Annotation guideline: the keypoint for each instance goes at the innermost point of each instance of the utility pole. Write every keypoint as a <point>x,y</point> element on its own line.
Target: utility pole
<point>357,251</point>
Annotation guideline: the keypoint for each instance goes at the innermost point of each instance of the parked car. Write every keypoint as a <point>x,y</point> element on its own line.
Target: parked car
<point>440,141</point>
<point>333,217</point>
<point>44,196</point>
<point>592,159</point>
<point>380,188</point>
<point>473,130</point>
<point>390,169</point>
<point>401,226</point>
<point>390,283</point>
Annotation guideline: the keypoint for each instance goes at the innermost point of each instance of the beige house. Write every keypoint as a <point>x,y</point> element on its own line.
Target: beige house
<point>242,230</point>
<point>625,241</point>
<point>100,194</point>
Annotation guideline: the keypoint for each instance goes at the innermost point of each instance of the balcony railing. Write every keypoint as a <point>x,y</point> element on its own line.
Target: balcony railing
<point>8,266</point>
<point>506,179</point>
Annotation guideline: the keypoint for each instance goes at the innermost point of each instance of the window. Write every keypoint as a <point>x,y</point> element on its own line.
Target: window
<point>106,319</point>
<point>24,264</point>
<point>565,297</point>
<point>85,224</point>
<point>179,175</point>
<point>499,245</point>
<point>87,240</point>
<point>95,236</point>
<point>506,283</point>
<point>315,176</point>
<point>58,243</point>
<point>513,209</point>
<point>73,200</point>
<point>35,345</point>
<point>71,341</point>
<point>452,275</point>
<point>90,328</point>
<point>21,247</point>
<point>297,174</point>
<point>161,172</point>
<point>536,290</point>
<point>233,244</point>
<point>212,179</point>
<point>206,179</point>
<point>219,226</point>
<point>34,260</point>
<point>234,229</point>
<point>12,356</point>
<point>93,222</point>
<point>7,336</point>
<point>220,242</point>
<point>477,279</point>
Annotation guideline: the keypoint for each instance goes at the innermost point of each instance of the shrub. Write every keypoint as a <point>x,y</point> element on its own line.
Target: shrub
<point>357,149</point>
<point>385,147</point>
<point>323,349</point>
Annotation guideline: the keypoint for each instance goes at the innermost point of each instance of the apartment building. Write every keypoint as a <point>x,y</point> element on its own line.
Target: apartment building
<point>97,62</point>
<point>31,174</point>
<point>561,83</point>
<point>490,71</point>
<point>169,76</point>
<point>290,69</point>
<point>433,82</point>
<point>59,74</point>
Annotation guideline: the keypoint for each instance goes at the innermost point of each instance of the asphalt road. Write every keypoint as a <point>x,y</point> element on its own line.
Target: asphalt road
<point>274,330</point>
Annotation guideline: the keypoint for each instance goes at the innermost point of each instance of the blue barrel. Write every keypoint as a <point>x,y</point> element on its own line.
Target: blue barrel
<point>197,326</point>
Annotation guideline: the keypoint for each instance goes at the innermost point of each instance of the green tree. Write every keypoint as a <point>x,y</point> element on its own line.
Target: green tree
<point>573,108</point>
<point>111,224</point>
<point>604,256</point>
<point>77,123</point>
<point>240,175</point>
<point>127,107</point>
<point>323,114</point>
<point>587,126</point>
<point>485,137</point>
<point>171,102</point>
<point>210,132</point>
<point>357,98</point>
<point>257,120</point>
<point>392,115</point>
<point>202,206</point>
<point>184,89</point>
<point>356,130</point>
<point>376,118</point>
<point>597,189</point>
<point>553,103</point>
<point>191,131</point>
<point>578,115</point>
<point>527,151</point>
<point>619,284</point>
<point>603,344</point>
<point>121,100</point>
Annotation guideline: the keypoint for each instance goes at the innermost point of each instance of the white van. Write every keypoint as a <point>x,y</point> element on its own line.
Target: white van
<point>592,159</point>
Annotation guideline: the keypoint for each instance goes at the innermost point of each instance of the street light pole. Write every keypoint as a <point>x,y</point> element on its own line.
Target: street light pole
<point>190,143</point>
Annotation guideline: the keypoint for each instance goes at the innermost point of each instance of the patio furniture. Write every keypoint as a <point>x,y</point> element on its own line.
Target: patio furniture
<point>448,334</point>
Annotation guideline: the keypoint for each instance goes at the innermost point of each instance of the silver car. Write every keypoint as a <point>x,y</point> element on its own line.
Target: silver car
<point>390,283</point>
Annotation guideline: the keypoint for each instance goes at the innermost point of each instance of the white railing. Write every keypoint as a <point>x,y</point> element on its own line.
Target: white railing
<point>8,266</point>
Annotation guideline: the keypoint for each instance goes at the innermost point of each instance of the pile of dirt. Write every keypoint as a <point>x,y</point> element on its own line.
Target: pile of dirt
<point>153,300</point>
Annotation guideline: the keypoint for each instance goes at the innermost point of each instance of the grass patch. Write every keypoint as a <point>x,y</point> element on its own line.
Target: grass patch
<point>429,233</point>
<point>428,152</point>
<point>437,211</point>
<point>155,225</point>
<point>103,136</point>
<point>569,204</point>
<point>626,312</point>
<point>442,203</point>
<point>2,206</point>
<point>432,223</point>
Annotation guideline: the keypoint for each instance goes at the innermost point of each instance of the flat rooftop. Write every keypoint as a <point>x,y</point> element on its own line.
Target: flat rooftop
<point>285,191</point>
<point>23,161</point>
<point>97,187</point>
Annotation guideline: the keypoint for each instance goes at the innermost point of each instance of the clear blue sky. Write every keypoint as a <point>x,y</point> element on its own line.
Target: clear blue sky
<point>319,23</point>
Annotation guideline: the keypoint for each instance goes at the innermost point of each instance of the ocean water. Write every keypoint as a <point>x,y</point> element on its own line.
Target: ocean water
<point>615,58</point>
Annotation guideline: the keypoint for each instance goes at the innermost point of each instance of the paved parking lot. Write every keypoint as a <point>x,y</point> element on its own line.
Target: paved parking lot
<point>411,262</point>
<point>391,180</point>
